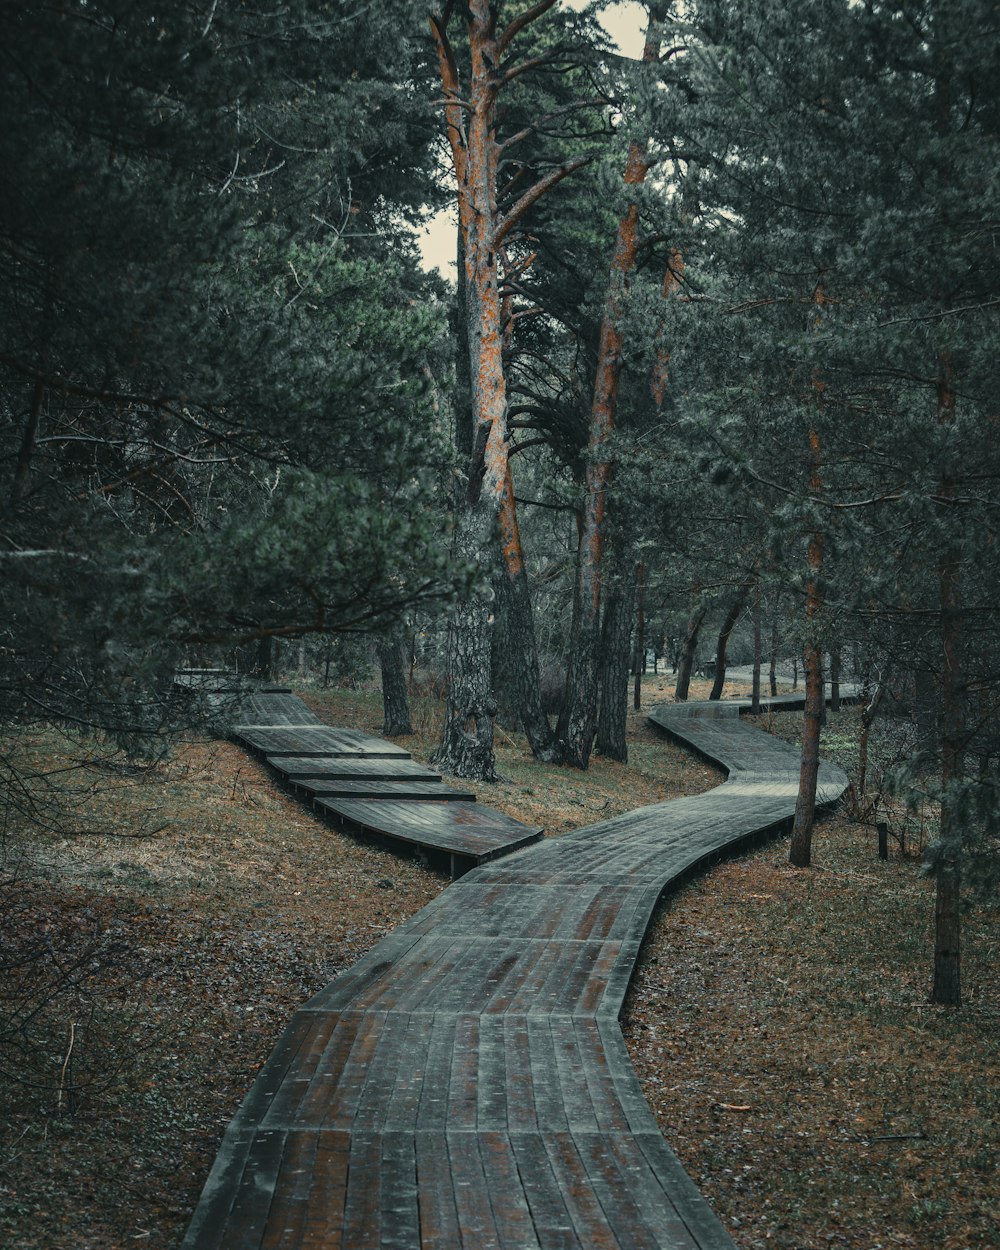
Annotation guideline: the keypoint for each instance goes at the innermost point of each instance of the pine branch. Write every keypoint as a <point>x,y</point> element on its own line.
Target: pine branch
<point>533,195</point>
<point>520,23</point>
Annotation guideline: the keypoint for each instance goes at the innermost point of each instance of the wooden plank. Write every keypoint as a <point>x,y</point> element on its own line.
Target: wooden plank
<point>432,1112</point>
<point>475,1214</point>
<point>546,1196</point>
<point>438,1213</point>
<point>301,768</point>
<point>399,1215</point>
<point>286,1219</point>
<point>582,1203</point>
<point>491,1076</point>
<point>505,1190</point>
<point>314,740</point>
<point>393,788</point>
<point>248,1217</point>
<point>460,828</point>
<point>363,1202</point>
<point>324,1222</point>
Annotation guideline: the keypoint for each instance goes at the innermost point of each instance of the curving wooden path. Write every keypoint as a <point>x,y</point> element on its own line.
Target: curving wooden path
<point>466,1083</point>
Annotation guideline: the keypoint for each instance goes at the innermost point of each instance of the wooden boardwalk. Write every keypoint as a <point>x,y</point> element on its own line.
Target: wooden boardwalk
<point>373,787</point>
<point>466,1084</point>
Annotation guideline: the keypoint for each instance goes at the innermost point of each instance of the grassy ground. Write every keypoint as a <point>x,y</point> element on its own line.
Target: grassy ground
<point>779,1019</point>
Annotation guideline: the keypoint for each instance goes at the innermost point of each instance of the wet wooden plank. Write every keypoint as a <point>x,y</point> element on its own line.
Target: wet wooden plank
<point>392,788</point>
<point>457,827</point>
<point>438,1214</point>
<point>399,1213</point>
<point>324,1219</point>
<point>302,768</point>
<point>314,740</point>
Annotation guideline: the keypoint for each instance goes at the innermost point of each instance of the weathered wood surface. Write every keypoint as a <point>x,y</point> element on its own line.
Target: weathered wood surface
<point>466,1083</point>
<point>373,786</point>
<point>305,767</point>
<point>470,830</point>
<point>418,789</point>
<point>314,739</point>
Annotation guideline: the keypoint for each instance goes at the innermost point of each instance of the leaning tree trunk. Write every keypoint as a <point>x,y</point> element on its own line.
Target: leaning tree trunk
<point>616,638</point>
<point>395,696</point>
<point>688,651</point>
<point>728,625</point>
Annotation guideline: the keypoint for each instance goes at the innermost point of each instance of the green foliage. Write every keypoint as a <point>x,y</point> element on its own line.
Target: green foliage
<point>216,404</point>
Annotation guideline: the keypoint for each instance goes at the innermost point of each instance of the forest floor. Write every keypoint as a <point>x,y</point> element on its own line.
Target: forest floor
<point>156,939</point>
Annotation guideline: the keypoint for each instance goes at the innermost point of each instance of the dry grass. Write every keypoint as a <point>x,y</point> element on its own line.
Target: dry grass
<point>557,799</point>
<point>801,996</point>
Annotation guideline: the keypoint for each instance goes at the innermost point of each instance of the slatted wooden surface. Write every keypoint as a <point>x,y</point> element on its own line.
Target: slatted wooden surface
<point>394,788</point>
<point>315,739</point>
<point>466,1085</point>
<point>374,787</point>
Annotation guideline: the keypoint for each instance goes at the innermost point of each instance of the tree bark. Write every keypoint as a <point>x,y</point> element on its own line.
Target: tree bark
<point>688,650</point>
<point>757,653</point>
<point>519,663</point>
<point>728,625</point>
<point>800,852</point>
<point>947,986</point>
<point>582,677</point>
<point>466,747</point>
<point>616,637</point>
<point>395,697</point>
<point>640,640</point>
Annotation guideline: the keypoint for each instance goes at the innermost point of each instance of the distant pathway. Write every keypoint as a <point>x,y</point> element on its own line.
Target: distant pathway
<point>466,1083</point>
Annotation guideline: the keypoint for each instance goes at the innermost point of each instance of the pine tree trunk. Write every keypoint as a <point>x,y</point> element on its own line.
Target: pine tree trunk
<point>835,681</point>
<point>947,987</point>
<point>871,698</point>
<point>757,653</point>
<point>728,625</point>
<point>640,641</point>
<point>395,697</point>
<point>466,747</point>
<point>689,649</point>
<point>616,638</point>
<point>582,680</point>
<point>520,659</point>
<point>800,852</point>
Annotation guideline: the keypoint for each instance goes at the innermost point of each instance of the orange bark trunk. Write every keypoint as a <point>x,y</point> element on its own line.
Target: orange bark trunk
<point>582,684</point>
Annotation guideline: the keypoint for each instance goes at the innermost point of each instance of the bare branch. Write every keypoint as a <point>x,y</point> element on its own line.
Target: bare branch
<point>533,195</point>
<point>520,23</point>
